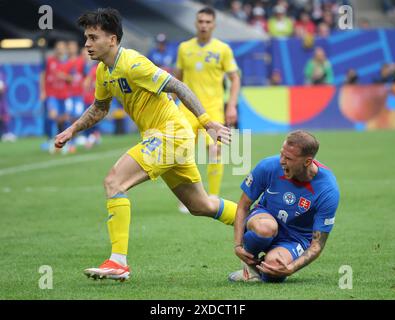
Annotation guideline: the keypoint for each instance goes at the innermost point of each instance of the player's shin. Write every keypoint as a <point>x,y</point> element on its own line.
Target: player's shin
<point>226,211</point>
<point>255,244</point>
<point>215,172</point>
<point>118,222</point>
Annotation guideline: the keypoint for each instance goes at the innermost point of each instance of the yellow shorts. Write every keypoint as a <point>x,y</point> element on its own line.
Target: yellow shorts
<point>199,131</point>
<point>171,158</point>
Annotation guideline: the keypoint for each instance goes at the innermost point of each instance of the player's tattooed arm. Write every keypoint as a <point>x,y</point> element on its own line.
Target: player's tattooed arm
<point>312,253</point>
<point>96,112</point>
<point>185,94</point>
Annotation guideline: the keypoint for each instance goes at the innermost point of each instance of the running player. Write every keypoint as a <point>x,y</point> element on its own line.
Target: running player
<point>167,146</point>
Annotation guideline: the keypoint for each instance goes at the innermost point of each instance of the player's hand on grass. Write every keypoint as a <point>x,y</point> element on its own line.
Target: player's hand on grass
<point>280,270</point>
<point>63,137</point>
<point>245,256</point>
<point>218,132</point>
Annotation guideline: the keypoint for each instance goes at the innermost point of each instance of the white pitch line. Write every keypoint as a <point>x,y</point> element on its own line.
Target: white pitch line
<point>60,162</point>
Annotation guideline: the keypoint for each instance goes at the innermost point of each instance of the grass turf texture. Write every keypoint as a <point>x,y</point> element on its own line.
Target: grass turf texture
<point>56,216</point>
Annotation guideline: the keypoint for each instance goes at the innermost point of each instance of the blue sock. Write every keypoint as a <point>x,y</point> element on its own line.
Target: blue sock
<point>255,244</point>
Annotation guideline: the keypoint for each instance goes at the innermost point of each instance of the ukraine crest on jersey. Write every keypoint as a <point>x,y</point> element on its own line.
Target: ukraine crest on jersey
<point>137,84</point>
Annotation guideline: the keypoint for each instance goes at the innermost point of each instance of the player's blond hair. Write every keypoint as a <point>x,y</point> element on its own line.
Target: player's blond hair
<point>307,143</point>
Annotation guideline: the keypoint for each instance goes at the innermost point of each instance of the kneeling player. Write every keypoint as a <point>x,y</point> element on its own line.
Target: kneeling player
<point>296,212</point>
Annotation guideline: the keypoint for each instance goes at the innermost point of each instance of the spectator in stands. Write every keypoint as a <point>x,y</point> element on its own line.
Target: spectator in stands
<point>388,7</point>
<point>276,78</point>
<point>329,19</point>
<point>318,69</point>
<point>304,26</point>
<point>387,74</point>
<point>280,25</point>
<point>258,20</point>
<point>351,77</point>
<point>161,55</point>
<point>236,10</point>
<point>247,8</point>
<point>364,23</point>
<point>323,30</point>
<point>297,7</point>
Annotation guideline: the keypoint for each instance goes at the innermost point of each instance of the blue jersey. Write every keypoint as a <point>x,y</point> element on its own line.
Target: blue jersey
<point>300,208</point>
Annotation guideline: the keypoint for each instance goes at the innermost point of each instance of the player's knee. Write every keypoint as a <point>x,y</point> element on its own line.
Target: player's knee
<point>264,227</point>
<point>111,185</point>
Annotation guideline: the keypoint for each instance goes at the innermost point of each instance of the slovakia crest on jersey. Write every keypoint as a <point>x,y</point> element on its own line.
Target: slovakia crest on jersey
<point>289,198</point>
<point>304,204</point>
<point>249,180</point>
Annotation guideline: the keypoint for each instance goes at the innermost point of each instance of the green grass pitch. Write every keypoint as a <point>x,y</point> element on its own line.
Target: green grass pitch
<point>52,212</point>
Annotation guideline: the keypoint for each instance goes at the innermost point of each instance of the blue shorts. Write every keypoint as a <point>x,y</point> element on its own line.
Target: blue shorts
<point>75,106</point>
<point>57,106</point>
<point>282,239</point>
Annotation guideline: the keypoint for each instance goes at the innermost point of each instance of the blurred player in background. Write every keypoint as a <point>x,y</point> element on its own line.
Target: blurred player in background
<point>161,55</point>
<point>93,136</point>
<point>54,91</point>
<point>167,148</point>
<point>291,223</point>
<point>202,63</point>
<point>5,135</point>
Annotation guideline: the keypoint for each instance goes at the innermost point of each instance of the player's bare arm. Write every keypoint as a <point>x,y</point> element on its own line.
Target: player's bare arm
<point>316,247</point>
<point>96,112</point>
<point>312,253</point>
<point>231,108</point>
<point>243,208</point>
<point>216,130</point>
<point>185,94</point>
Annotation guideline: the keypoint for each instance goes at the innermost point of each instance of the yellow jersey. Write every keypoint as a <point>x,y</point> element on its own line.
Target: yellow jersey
<point>203,69</point>
<point>137,84</point>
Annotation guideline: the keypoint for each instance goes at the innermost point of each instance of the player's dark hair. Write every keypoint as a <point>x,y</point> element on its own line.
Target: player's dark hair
<point>207,10</point>
<point>108,19</point>
<point>307,143</point>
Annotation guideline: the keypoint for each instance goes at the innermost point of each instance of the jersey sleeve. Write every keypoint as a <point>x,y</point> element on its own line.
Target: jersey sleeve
<point>101,88</point>
<point>229,63</point>
<point>148,76</point>
<point>255,183</point>
<point>324,219</point>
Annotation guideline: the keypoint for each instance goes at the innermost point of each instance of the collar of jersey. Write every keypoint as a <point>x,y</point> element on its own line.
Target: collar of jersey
<point>202,46</point>
<point>110,69</point>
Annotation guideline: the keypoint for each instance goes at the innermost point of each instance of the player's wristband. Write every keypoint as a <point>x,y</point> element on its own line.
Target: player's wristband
<point>238,245</point>
<point>204,119</point>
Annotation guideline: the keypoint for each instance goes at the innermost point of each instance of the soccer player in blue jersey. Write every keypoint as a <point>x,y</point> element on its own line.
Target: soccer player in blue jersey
<point>296,211</point>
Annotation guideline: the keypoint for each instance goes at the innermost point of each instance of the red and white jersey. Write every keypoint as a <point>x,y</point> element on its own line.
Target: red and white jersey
<point>55,86</point>
<point>75,68</point>
<point>89,93</point>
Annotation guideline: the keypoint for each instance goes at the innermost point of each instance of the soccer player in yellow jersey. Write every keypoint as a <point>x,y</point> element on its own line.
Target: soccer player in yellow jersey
<point>202,63</point>
<point>167,146</point>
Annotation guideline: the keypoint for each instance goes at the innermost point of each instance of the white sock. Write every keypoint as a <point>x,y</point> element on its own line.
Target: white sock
<point>119,258</point>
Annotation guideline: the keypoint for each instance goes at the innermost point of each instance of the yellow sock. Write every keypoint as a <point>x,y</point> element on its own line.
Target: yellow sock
<point>118,224</point>
<point>215,172</point>
<point>226,212</point>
